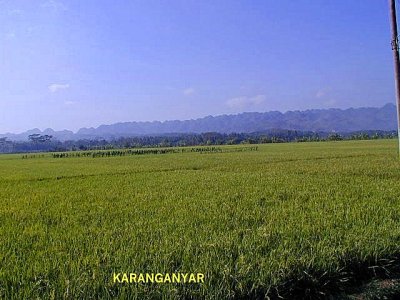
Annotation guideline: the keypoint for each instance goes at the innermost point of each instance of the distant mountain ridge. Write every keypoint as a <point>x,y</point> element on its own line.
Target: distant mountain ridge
<point>327,120</point>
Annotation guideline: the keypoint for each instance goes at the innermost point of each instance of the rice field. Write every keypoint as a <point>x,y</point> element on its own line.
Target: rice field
<point>300,220</point>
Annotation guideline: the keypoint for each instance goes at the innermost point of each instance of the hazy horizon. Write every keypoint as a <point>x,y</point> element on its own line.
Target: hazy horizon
<point>162,121</point>
<point>73,64</point>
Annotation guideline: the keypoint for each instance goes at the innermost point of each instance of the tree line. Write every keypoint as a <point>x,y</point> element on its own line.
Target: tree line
<point>47,143</point>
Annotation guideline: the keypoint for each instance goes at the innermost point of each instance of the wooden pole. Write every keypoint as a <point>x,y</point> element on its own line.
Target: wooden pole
<point>395,48</point>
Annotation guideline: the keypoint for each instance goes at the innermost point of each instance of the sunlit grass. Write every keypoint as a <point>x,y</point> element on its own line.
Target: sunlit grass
<point>253,222</point>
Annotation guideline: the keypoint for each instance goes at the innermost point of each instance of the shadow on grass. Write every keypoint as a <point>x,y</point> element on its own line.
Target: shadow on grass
<point>372,279</point>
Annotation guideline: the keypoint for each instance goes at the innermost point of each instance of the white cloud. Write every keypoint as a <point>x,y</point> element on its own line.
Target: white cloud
<point>320,94</point>
<point>55,87</point>
<point>14,12</point>
<point>10,35</point>
<point>69,103</point>
<point>246,102</point>
<point>323,92</point>
<point>189,91</point>
<point>54,5</point>
<point>325,97</point>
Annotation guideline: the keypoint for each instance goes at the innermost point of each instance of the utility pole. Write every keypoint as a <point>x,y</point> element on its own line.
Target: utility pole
<point>395,48</point>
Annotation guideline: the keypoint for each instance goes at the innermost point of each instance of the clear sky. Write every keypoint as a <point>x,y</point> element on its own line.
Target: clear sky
<point>67,64</point>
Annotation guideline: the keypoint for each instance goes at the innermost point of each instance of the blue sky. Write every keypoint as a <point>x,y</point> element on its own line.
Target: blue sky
<point>71,64</point>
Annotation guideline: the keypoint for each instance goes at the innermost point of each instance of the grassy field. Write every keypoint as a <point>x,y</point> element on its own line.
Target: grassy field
<point>289,219</point>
